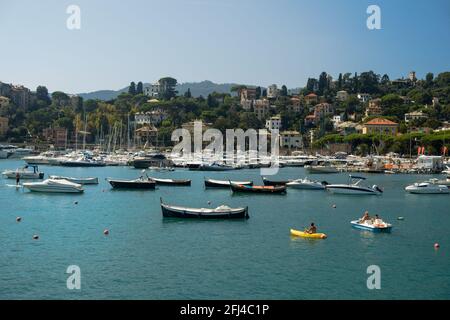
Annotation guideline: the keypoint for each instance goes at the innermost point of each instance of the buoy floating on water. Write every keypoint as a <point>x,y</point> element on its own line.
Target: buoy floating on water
<point>334,206</point>
<point>436,245</point>
<point>76,202</point>
<point>400,218</point>
<point>209,202</point>
<point>35,237</point>
<point>106,232</point>
<point>18,219</point>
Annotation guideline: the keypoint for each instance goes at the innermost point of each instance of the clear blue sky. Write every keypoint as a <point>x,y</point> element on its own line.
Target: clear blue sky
<point>245,41</point>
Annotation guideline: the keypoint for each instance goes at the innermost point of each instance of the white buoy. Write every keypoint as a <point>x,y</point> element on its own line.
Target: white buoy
<point>436,245</point>
<point>18,219</point>
<point>106,232</point>
<point>35,237</point>
<point>76,202</point>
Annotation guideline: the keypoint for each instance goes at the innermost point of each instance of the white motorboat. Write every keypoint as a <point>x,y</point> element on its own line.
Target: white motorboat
<point>43,158</point>
<point>54,186</point>
<point>86,180</point>
<point>19,153</point>
<point>353,187</point>
<point>306,184</point>
<point>427,188</point>
<point>24,173</point>
<point>444,182</point>
<point>321,169</point>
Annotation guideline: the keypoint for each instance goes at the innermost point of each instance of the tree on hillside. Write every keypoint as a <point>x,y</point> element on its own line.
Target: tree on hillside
<point>368,82</point>
<point>42,94</point>
<point>339,84</point>
<point>323,82</point>
<point>132,88</point>
<point>283,91</point>
<point>167,85</point>
<point>140,88</point>
<point>258,92</point>
<point>188,94</point>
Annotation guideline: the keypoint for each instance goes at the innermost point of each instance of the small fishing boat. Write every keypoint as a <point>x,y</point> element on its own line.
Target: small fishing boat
<point>376,225</point>
<point>212,183</point>
<point>87,180</point>
<point>54,186</point>
<point>24,173</point>
<point>258,189</point>
<point>221,212</point>
<point>140,183</point>
<point>303,234</point>
<point>427,188</point>
<point>268,182</point>
<point>172,182</point>
<point>307,184</point>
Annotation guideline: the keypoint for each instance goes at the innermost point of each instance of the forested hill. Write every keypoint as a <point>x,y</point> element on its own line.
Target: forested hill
<point>203,88</point>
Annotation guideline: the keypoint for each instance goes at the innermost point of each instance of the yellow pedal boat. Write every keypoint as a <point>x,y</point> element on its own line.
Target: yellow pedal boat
<point>308,235</point>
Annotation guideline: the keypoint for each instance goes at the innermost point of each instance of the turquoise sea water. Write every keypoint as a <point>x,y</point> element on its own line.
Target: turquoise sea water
<point>148,257</point>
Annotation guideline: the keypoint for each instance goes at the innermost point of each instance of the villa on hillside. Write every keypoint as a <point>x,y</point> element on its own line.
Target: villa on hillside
<point>380,126</point>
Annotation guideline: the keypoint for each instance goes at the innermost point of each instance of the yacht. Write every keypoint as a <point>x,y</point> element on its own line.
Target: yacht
<point>306,184</point>
<point>24,173</point>
<point>353,187</point>
<point>427,188</point>
<point>325,168</point>
<point>54,186</point>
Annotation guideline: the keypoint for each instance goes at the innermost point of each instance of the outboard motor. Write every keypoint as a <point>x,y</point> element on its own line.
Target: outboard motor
<point>375,187</point>
<point>325,183</point>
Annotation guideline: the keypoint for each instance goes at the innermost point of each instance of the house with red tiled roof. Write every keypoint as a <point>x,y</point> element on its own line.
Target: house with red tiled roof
<point>380,126</point>
<point>311,98</point>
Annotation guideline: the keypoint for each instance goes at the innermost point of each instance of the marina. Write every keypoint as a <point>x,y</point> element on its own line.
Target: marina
<point>142,245</point>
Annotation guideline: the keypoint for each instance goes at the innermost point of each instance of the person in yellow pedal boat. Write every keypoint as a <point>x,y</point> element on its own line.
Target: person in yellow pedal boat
<point>365,217</point>
<point>312,229</point>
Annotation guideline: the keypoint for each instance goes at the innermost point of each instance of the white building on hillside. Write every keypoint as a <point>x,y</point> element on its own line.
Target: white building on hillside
<point>152,90</point>
<point>274,123</point>
<point>272,91</point>
<point>291,139</point>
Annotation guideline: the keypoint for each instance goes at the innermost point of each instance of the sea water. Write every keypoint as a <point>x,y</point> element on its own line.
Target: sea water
<point>148,257</point>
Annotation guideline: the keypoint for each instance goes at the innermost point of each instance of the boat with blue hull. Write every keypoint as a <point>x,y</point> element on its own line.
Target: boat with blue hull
<point>370,225</point>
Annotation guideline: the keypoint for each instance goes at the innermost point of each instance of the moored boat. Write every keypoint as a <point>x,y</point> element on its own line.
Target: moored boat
<point>86,180</point>
<point>268,182</point>
<point>140,183</point>
<point>427,188</point>
<point>353,187</point>
<point>24,173</point>
<point>212,183</point>
<point>258,189</point>
<point>221,212</point>
<point>307,184</point>
<point>172,182</point>
<point>54,186</point>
